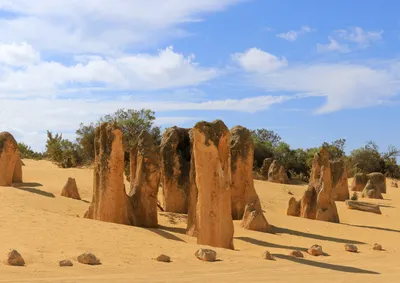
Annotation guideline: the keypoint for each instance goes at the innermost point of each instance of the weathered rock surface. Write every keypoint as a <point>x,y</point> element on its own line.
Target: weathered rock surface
<point>175,169</point>
<point>210,213</point>
<point>294,207</point>
<point>163,258</point>
<point>363,206</point>
<point>359,182</point>
<point>378,180</point>
<point>65,263</point>
<point>17,175</point>
<point>143,194</point>
<point>268,256</point>
<point>206,254</point>
<point>265,167</point>
<point>377,247</point>
<point>339,180</point>
<point>308,203</point>
<point>372,190</point>
<point>394,184</point>
<point>88,258</point>
<point>277,173</point>
<point>14,258</point>
<point>351,248</point>
<point>110,202</point>
<point>315,250</point>
<point>70,189</point>
<point>297,254</point>
<point>245,201</point>
<point>9,157</point>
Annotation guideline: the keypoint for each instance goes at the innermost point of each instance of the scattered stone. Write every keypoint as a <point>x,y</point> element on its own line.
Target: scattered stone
<point>377,247</point>
<point>293,208</point>
<point>290,193</point>
<point>371,190</point>
<point>15,258</point>
<point>395,184</point>
<point>206,254</point>
<point>254,219</point>
<point>315,250</point>
<point>297,254</point>
<point>88,258</point>
<point>339,180</point>
<point>70,190</point>
<point>359,182</point>
<point>210,201</point>
<point>163,258</point>
<point>277,173</point>
<point>268,256</point>
<point>175,169</point>
<point>363,206</point>
<point>265,167</point>
<point>351,248</point>
<point>378,180</point>
<point>66,262</point>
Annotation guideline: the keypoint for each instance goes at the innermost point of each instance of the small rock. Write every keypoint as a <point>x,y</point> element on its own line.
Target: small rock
<point>351,248</point>
<point>163,258</point>
<point>315,250</point>
<point>206,254</point>
<point>377,247</point>
<point>395,184</point>
<point>290,193</point>
<point>267,255</point>
<point>88,258</point>
<point>298,254</point>
<point>65,263</point>
<point>15,259</point>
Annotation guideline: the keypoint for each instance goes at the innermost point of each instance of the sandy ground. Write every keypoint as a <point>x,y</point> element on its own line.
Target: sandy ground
<point>46,228</point>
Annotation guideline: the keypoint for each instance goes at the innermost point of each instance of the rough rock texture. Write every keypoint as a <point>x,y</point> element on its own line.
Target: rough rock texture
<point>211,214</point>
<point>132,165</point>
<point>253,219</point>
<point>268,256</point>
<point>315,175</point>
<point>65,263</point>
<point>109,202</point>
<point>294,207</point>
<point>377,247</point>
<point>339,180</point>
<point>363,206</point>
<point>378,180</point>
<point>17,175</point>
<point>175,169</point>
<point>315,250</point>
<point>70,189</point>
<point>359,182</point>
<point>88,258</point>
<point>371,190</point>
<point>318,200</point>
<point>297,254</point>
<point>143,194</point>
<point>265,167</point>
<point>206,254</point>
<point>394,184</point>
<point>245,201</point>
<point>326,207</point>
<point>9,156</point>
<point>14,258</point>
<point>351,248</point>
<point>163,258</point>
<point>277,173</point>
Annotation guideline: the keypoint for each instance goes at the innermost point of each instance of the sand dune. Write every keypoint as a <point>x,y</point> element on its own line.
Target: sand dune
<point>46,228</point>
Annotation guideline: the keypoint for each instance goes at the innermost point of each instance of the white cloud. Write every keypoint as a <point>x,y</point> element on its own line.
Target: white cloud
<point>18,54</point>
<point>105,26</point>
<point>359,36</point>
<point>165,70</point>
<point>292,35</point>
<point>344,85</point>
<point>333,45</point>
<point>256,60</point>
<point>65,115</point>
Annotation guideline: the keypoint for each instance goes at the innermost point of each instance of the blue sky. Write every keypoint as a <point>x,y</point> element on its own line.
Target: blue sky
<point>313,71</point>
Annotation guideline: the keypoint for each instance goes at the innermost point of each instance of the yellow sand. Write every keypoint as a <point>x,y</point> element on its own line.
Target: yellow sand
<point>46,228</point>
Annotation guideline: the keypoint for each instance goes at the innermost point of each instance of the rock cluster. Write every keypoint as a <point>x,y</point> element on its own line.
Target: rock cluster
<point>10,160</point>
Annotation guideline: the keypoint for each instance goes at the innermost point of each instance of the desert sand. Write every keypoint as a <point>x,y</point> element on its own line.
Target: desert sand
<point>46,228</point>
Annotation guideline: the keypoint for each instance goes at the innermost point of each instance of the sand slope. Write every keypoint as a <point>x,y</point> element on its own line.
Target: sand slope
<point>45,228</point>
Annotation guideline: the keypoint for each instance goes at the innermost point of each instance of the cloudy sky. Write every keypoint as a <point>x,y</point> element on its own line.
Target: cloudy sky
<point>311,70</point>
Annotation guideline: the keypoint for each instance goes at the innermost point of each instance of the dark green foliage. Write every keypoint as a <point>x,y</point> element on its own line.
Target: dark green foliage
<point>63,152</point>
<point>28,153</point>
<point>354,196</point>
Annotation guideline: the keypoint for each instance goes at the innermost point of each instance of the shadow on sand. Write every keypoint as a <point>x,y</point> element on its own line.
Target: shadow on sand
<point>161,231</point>
<point>279,230</point>
<point>336,267</point>
<point>28,187</point>
<point>269,245</point>
<point>373,227</point>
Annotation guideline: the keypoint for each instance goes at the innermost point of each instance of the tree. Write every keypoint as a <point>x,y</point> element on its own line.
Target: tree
<point>62,151</point>
<point>266,137</point>
<point>27,152</point>
<point>336,148</point>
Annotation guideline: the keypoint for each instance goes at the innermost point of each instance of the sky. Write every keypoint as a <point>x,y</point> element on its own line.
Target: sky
<point>311,70</point>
